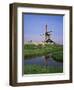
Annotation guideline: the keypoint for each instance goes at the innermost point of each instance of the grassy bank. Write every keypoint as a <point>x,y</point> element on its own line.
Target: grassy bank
<point>31,50</point>
<point>35,69</point>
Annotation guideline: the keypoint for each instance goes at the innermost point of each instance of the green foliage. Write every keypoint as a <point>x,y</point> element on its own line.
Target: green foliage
<point>35,69</point>
<point>58,56</point>
<point>30,46</point>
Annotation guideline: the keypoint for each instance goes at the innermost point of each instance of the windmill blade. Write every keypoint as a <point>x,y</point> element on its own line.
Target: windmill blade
<point>50,31</point>
<point>41,34</point>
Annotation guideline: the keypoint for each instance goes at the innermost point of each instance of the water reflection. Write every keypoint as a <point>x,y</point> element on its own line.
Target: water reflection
<point>46,60</point>
<point>43,61</point>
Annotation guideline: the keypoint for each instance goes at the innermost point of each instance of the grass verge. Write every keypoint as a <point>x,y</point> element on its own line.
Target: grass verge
<point>38,69</point>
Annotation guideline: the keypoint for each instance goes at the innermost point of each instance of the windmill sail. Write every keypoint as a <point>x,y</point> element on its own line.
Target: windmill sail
<point>47,35</point>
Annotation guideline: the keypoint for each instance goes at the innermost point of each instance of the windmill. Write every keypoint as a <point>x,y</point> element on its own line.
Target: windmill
<point>47,35</point>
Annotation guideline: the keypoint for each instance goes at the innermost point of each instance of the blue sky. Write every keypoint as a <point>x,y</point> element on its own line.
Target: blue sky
<point>34,25</point>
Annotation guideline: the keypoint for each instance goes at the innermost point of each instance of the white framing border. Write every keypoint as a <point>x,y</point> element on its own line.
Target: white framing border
<point>43,77</point>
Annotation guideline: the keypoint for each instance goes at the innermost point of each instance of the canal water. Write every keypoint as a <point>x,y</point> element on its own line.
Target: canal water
<point>43,61</point>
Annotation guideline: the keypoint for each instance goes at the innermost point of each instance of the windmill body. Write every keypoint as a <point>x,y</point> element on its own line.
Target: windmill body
<point>48,36</point>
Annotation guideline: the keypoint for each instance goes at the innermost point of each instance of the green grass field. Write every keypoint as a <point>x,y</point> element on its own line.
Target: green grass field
<point>36,69</point>
<point>31,50</point>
